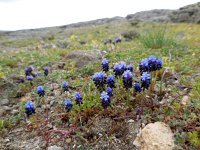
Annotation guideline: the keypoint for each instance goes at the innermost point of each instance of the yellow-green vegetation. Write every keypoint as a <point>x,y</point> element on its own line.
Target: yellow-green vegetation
<point>178,44</point>
<point>19,43</point>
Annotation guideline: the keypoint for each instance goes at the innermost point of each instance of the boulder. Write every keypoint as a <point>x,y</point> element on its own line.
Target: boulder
<point>155,136</point>
<point>84,57</point>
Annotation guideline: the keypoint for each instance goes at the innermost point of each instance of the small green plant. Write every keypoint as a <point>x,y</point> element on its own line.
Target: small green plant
<point>193,138</point>
<point>156,38</point>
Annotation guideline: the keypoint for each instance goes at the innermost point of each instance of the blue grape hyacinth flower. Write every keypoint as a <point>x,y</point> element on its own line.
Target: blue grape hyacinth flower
<point>105,99</point>
<point>119,69</point>
<point>28,70</point>
<point>99,80</point>
<point>30,78</point>
<point>40,91</point>
<point>144,65</point>
<point>107,41</point>
<point>110,81</point>
<point>68,105</point>
<point>129,67</point>
<point>152,63</point>
<point>65,86</point>
<point>78,98</point>
<point>109,91</point>
<point>29,108</point>
<point>118,40</point>
<point>105,65</point>
<point>127,79</point>
<point>46,71</point>
<point>137,87</point>
<point>159,63</point>
<point>146,80</point>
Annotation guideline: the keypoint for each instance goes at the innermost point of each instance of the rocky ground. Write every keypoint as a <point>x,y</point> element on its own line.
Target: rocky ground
<point>170,113</point>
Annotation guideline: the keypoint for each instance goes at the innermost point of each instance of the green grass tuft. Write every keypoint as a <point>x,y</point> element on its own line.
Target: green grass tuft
<point>156,38</point>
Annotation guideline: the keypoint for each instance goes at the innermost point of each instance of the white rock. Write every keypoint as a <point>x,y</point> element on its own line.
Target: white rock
<point>54,147</point>
<point>14,111</point>
<point>155,136</point>
<point>7,140</point>
<point>131,121</point>
<point>185,100</point>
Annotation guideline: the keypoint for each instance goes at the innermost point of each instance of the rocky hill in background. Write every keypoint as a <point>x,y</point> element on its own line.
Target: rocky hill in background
<point>8,39</point>
<point>156,15</point>
<point>190,13</point>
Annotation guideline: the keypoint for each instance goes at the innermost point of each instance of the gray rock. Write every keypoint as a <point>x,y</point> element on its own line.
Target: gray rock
<point>54,147</point>
<point>52,102</point>
<point>4,102</point>
<point>15,106</point>
<point>6,108</point>
<point>14,111</point>
<point>83,57</point>
<point>190,13</point>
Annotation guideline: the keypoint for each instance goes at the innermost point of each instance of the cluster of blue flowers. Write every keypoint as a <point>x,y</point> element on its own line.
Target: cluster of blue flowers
<point>118,39</point>
<point>78,98</point>
<point>126,71</point>
<point>105,65</point>
<point>99,79</point>
<point>65,86</point>
<point>40,91</point>
<point>127,79</point>
<point>129,67</point>
<point>68,105</point>
<point>110,81</point>
<point>28,71</point>
<point>147,65</point>
<point>105,99</point>
<point>109,91</point>
<point>104,84</point>
<point>146,80</point>
<point>30,75</point>
<point>119,69</point>
<point>29,108</point>
<point>137,87</point>
<point>29,78</point>
<point>46,71</point>
<point>150,64</point>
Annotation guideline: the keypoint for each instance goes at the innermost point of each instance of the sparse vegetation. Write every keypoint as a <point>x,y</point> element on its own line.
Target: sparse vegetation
<point>88,123</point>
<point>156,38</point>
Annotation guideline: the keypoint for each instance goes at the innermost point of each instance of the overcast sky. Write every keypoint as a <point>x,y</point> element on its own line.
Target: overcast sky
<point>27,14</point>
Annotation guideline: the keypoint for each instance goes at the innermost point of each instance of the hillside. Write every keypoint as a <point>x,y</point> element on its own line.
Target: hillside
<point>154,94</point>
